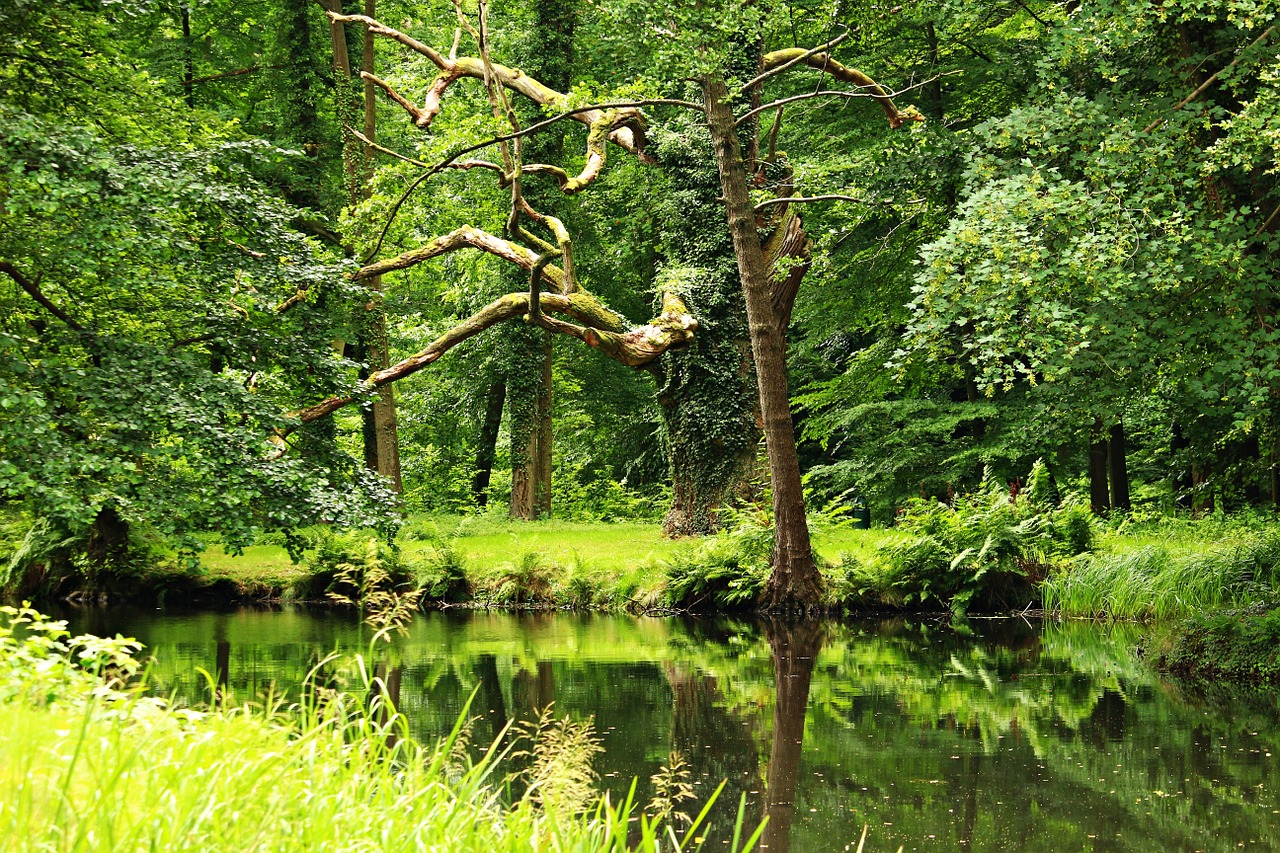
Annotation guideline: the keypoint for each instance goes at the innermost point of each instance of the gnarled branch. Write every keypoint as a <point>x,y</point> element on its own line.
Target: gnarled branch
<point>822,61</point>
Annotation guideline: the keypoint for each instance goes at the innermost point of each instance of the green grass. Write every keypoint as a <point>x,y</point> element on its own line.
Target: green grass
<point>1169,571</point>
<point>606,565</point>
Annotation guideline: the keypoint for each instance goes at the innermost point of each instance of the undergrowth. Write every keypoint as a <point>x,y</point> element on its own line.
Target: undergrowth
<point>988,548</point>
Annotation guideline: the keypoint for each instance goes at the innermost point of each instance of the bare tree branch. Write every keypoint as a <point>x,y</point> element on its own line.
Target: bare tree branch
<point>32,289</point>
<point>638,347</point>
<point>780,60</point>
<point>832,197</point>
<point>778,68</point>
<point>1207,83</point>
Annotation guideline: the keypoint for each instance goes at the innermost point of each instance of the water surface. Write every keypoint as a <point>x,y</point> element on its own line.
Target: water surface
<point>995,735</point>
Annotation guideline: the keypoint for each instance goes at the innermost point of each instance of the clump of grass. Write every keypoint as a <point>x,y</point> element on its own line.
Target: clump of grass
<point>87,766</point>
<point>1159,581</point>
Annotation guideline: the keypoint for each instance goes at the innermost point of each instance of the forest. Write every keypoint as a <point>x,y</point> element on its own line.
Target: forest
<point>268,265</point>
<point>917,362</point>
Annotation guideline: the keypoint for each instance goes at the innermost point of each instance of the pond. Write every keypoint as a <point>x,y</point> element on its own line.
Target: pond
<point>988,735</point>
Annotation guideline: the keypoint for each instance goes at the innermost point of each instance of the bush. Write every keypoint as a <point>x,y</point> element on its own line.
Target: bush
<point>726,571</point>
<point>1238,646</point>
<point>988,548</point>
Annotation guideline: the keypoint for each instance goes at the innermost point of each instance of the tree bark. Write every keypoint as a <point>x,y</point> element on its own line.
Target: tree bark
<point>794,580</point>
<point>1099,497</point>
<point>384,446</point>
<point>1118,469</point>
<point>487,448</point>
<point>542,433</point>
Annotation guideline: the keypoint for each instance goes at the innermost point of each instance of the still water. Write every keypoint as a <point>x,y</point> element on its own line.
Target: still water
<point>991,735</point>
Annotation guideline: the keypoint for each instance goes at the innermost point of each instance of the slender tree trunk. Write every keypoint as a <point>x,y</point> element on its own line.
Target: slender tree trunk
<point>1275,472</point>
<point>794,579</point>
<point>1099,498</point>
<point>386,436</point>
<point>1118,469</point>
<point>542,436</point>
<point>188,63</point>
<point>488,445</point>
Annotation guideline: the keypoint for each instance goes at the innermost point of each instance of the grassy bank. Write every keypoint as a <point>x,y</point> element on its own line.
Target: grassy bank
<point>85,765</point>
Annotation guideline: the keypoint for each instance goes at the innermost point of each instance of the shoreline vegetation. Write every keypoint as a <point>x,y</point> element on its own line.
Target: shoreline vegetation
<point>983,554</point>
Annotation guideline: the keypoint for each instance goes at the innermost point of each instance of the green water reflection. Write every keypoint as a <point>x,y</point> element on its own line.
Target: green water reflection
<point>998,735</point>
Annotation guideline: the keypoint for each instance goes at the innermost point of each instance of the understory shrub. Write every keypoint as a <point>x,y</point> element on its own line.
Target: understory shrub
<point>988,548</point>
<point>725,571</point>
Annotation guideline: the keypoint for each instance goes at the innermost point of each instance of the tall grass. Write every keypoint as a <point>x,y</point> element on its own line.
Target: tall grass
<point>1164,580</point>
<point>89,766</point>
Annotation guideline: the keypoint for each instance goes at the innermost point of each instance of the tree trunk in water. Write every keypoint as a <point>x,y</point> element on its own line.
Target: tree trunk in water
<point>488,445</point>
<point>1118,469</point>
<point>794,580</point>
<point>1099,497</point>
<point>794,648</point>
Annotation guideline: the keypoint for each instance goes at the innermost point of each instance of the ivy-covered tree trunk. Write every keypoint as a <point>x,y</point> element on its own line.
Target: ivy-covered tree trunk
<point>794,580</point>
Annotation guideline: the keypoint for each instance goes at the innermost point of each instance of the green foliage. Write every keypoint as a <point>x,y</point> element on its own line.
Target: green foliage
<point>725,571</point>
<point>987,549</point>
<point>368,573</point>
<point>41,664</point>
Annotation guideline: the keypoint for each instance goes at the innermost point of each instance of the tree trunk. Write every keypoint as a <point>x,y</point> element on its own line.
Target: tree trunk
<point>381,435</point>
<point>108,544</point>
<point>386,437</point>
<point>530,424</point>
<point>188,63</point>
<point>1118,469</point>
<point>542,435</point>
<point>1099,497</point>
<point>1275,472</point>
<point>794,580</point>
<point>488,445</point>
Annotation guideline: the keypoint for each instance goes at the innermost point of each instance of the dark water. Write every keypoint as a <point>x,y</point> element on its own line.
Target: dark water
<point>995,735</point>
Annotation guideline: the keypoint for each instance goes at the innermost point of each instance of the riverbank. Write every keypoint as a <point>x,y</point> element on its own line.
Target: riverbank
<point>984,555</point>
